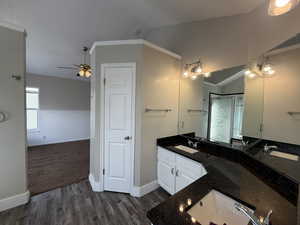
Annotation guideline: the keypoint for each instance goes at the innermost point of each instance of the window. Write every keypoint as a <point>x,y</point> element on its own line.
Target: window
<point>32,108</point>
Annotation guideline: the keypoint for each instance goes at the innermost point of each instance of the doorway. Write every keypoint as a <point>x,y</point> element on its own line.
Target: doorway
<point>118,117</point>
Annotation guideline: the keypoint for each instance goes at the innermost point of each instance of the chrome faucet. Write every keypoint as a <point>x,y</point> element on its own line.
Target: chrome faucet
<point>267,147</point>
<point>254,220</point>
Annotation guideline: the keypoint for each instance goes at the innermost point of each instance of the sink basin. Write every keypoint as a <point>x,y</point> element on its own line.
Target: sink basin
<point>186,149</point>
<point>284,155</point>
<point>217,208</point>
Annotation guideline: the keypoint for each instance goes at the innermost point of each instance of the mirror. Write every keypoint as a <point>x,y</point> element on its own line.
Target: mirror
<point>281,117</point>
<point>223,107</point>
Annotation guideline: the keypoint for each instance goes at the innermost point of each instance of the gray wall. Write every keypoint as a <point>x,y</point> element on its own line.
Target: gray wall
<point>160,89</point>
<point>229,41</point>
<point>12,131</point>
<point>157,85</point>
<point>64,113</point>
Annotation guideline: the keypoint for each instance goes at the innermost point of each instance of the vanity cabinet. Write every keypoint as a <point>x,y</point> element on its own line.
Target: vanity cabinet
<point>175,172</point>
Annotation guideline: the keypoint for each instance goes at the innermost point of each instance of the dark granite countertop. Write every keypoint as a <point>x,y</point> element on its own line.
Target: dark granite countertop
<point>241,173</point>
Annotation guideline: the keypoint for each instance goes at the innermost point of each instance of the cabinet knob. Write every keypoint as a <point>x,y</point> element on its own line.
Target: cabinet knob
<point>177,173</point>
<point>172,171</point>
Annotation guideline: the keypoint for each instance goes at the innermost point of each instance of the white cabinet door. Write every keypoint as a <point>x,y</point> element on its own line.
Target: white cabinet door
<point>166,170</point>
<point>175,172</point>
<point>187,171</point>
<point>166,178</point>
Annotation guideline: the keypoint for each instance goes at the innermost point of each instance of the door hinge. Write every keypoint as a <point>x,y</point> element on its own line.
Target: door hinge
<point>104,81</point>
<point>103,171</point>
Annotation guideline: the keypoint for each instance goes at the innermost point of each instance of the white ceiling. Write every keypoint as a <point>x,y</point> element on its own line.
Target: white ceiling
<point>57,29</point>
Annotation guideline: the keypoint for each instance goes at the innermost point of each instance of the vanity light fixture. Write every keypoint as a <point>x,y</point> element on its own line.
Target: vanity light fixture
<point>267,69</point>
<point>193,70</point>
<point>262,69</point>
<point>279,7</point>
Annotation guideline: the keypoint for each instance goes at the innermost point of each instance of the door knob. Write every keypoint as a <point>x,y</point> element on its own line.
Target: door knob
<point>127,138</point>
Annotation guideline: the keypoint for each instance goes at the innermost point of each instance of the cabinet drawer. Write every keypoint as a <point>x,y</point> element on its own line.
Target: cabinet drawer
<point>166,156</point>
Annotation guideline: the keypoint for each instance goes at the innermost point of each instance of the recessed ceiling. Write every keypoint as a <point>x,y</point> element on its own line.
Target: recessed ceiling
<point>58,29</point>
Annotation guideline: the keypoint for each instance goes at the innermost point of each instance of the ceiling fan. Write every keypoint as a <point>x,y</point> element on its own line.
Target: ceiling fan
<point>83,70</point>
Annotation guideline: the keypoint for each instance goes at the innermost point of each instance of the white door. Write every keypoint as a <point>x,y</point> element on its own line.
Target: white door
<point>119,117</point>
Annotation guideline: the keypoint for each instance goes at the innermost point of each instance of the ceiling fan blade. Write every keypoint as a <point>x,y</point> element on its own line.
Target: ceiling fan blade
<point>67,67</point>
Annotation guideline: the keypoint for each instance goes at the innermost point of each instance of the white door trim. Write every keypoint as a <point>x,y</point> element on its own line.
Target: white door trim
<point>102,122</point>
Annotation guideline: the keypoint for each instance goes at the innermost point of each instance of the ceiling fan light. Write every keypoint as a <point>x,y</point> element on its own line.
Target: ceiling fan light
<point>279,7</point>
<point>81,73</point>
<point>88,73</point>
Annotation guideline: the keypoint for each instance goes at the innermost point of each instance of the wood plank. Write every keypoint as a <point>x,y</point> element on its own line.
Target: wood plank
<point>77,204</point>
<point>56,165</point>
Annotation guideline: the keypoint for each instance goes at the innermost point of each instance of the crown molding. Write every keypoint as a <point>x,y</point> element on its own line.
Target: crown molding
<point>12,26</point>
<point>282,50</point>
<point>134,42</point>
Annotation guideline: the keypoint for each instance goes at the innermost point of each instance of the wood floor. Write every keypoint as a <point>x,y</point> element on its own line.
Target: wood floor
<point>77,204</point>
<point>56,165</point>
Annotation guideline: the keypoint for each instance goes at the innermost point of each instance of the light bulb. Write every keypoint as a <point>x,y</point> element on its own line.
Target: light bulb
<point>193,220</point>
<point>81,73</point>
<point>194,77</point>
<point>207,74</point>
<point>270,72</point>
<point>88,73</point>
<point>198,69</point>
<point>281,3</point>
<point>267,68</point>
<point>181,208</point>
<point>279,7</point>
<point>251,75</point>
<point>185,74</point>
<point>247,72</point>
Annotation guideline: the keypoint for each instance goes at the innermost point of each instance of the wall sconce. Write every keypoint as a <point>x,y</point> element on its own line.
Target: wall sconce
<point>279,7</point>
<point>193,70</point>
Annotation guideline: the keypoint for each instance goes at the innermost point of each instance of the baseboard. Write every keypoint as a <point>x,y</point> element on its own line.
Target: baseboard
<point>96,186</point>
<point>145,189</point>
<point>14,201</point>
